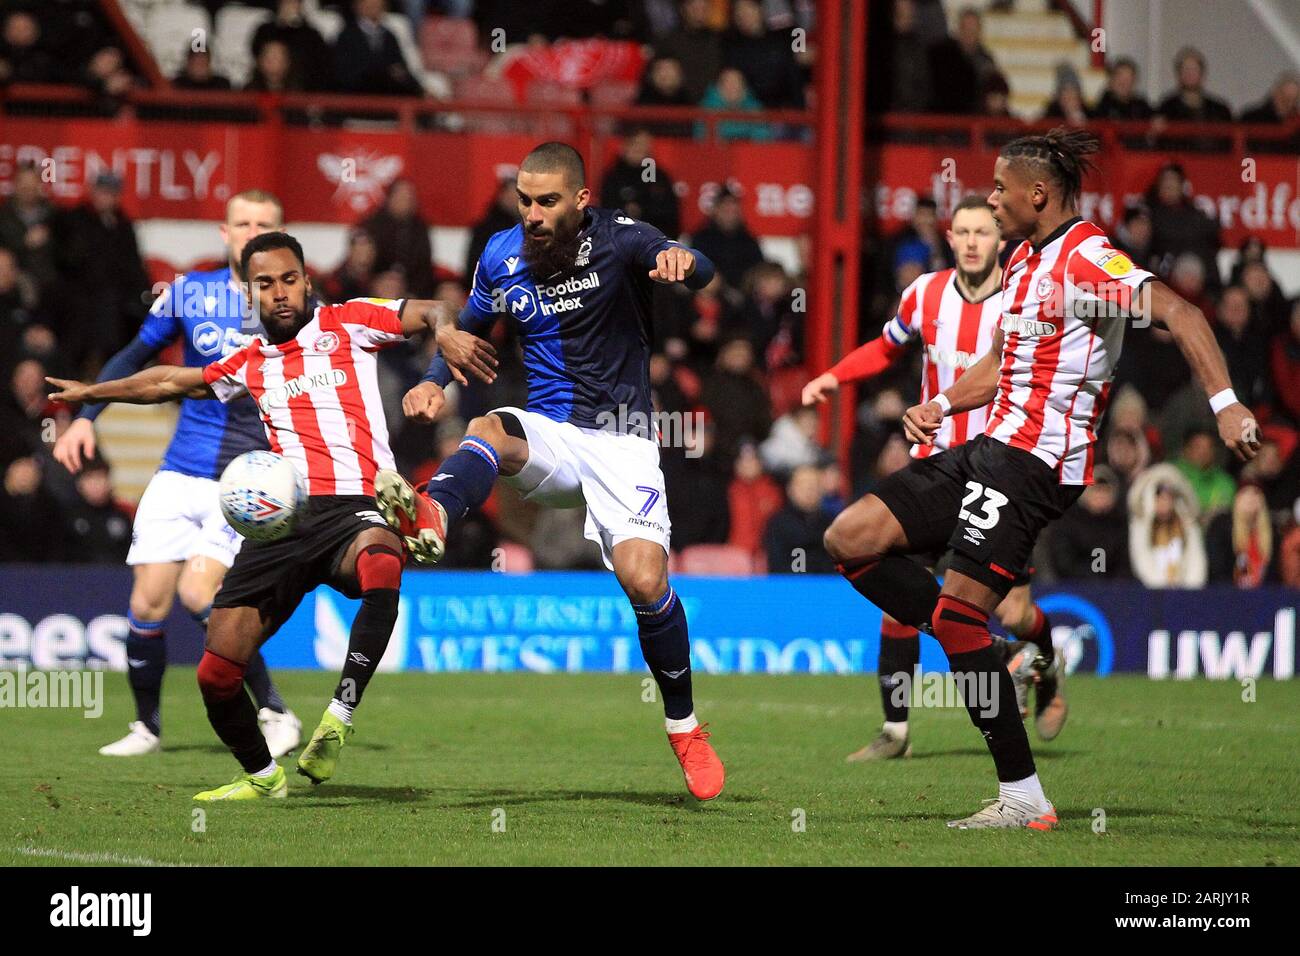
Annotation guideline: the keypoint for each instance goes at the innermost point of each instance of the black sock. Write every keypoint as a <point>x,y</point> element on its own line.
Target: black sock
<point>900,652</point>
<point>146,659</point>
<point>465,479</point>
<point>901,588</point>
<point>666,647</point>
<point>235,721</point>
<point>991,702</point>
<point>258,681</point>
<point>371,630</point>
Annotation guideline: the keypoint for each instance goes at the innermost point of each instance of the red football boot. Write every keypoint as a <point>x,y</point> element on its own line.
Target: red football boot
<point>700,764</point>
<point>419,520</point>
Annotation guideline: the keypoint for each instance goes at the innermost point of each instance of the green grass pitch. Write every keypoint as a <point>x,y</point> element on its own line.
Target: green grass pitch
<point>575,769</point>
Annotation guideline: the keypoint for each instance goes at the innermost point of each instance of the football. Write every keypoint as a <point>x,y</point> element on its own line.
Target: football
<point>261,493</point>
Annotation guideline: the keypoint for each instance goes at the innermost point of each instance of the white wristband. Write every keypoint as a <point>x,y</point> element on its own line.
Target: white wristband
<point>1222,400</point>
<point>944,405</point>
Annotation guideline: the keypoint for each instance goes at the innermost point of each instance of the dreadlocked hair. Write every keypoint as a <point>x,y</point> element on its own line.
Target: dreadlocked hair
<point>1062,154</point>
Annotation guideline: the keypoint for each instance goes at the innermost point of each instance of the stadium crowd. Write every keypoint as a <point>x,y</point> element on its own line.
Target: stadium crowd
<point>750,485</point>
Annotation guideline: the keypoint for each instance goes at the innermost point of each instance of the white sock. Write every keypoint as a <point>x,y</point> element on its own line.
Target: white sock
<point>341,710</point>
<point>683,726</point>
<point>266,771</point>
<point>1024,793</point>
<point>896,729</point>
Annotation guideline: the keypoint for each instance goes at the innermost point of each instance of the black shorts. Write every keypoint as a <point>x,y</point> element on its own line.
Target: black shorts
<point>984,501</point>
<point>274,576</point>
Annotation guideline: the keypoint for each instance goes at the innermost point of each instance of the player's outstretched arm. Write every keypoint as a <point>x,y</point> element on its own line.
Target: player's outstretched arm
<point>974,389</point>
<point>864,362</point>
<point>463,351</point>
<point>1187,324</point>
<point>153,386</point>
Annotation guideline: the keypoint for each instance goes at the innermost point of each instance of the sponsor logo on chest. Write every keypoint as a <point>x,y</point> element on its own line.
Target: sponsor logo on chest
<point>953,358</point>
<point>1024,327</point>
<point>562,294</point>
<point>280,395</point>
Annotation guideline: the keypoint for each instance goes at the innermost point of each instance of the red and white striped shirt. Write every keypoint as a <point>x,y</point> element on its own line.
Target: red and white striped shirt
<point>955,333</point>
<point>319,393</point>
<point>1065,308</point>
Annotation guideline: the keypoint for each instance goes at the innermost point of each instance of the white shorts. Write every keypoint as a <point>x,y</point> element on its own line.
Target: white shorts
<point>179,518</point>
<point>616,476</point>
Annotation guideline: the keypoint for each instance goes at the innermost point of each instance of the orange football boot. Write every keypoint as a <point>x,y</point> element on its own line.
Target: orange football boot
<point>700,764</point>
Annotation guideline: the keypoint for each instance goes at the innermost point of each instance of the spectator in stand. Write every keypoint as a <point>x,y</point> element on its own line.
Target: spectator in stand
<point>1134,237</point>
<point>26,413</point>
<point>696,46</point>
<point>960,66</point>
<point>309,54</point>
<point>736,400</point>
<point>28,512</point>
<point>18,309</point>
<point>354,277</point>
<point>1252,249</point>
<point>641,187</point>
<point>105,276</point>
<point>995,97</point>
<point>793,539</point>
<point>1190,102</point>
<point>898,68</point>
<point>1067,100</point>
<point>273,72</point>
<point>1244,346</point>
<point>1269,310</point>
<point>663,84</point>
<point>1212,486</point>
<point>1166,547</point>
<point>1239,543</point>
<point>696,479</point>
<point>367,58</point>
<point>730,94</point>
<point>1187,277</point>
<point>23,58</point>
<point>1282,104</point>
<point>96,526</point>
<point>766,58</point>
<point>402,238</point>
<point>793,443</point>
<point>1152,364</point>
<point>27,222</point>
<point>700,322</point>
<point>1179,226</point>
<point>197,73</point>
<point>727,242</point>
<point>754,498</point>
<point>1090,541</point>
<point>1128,455</point>
<point>1121,99</point>
<point>109,79</point>
<point>921,241</point>
<point>1274,473</point>
<point>1128,412</point>
<point>768,318</point>
<point>1285,366</point>
<point>502,213</point>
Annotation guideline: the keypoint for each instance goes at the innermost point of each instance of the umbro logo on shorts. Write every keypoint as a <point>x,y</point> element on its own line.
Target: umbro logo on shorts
<point>973,535</point>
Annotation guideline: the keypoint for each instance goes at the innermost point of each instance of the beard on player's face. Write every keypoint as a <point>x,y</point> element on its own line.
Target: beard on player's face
<point>552,249</point>
<point>282,321</point>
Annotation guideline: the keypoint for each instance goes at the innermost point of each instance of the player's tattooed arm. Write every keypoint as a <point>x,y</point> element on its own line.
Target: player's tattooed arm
<point>463,351</point>
<point>1191,332</point>
<point>162,383</point>
<point>974,389</point>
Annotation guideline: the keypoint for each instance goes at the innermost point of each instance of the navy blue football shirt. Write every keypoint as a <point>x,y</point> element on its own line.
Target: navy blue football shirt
<point>586,332</point>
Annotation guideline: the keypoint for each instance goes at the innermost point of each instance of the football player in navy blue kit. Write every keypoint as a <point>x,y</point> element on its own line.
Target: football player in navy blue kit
<point>576,281</point>
<point>181,544</point>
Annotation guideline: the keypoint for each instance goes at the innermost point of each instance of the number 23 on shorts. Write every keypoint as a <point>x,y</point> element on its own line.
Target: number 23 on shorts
<point>988,515</point>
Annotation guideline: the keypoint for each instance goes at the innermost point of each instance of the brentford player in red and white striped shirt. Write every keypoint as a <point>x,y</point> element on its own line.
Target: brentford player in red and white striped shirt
<point>315,380</point>
<point>954,312</point>
<point>1068,297</point>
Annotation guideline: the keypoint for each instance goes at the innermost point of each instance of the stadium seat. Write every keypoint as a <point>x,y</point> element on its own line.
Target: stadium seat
<point>488,90</point>
<point>170,29</point>
<point>232,43</point>
<point>719,559</point>
<point>613,95</point>
<point>544,93</point>
<point>515,558</point>
<point>400,27</point>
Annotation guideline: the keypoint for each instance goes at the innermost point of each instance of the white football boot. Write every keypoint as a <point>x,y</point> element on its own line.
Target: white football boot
<point>997,814</point>
<point>283,732</point>
<point>141,740</point>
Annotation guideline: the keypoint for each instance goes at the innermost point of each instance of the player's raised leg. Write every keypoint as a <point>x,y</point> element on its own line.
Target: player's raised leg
<point>234,635</point>
<point>371,567</point>
<point>641,567</point>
